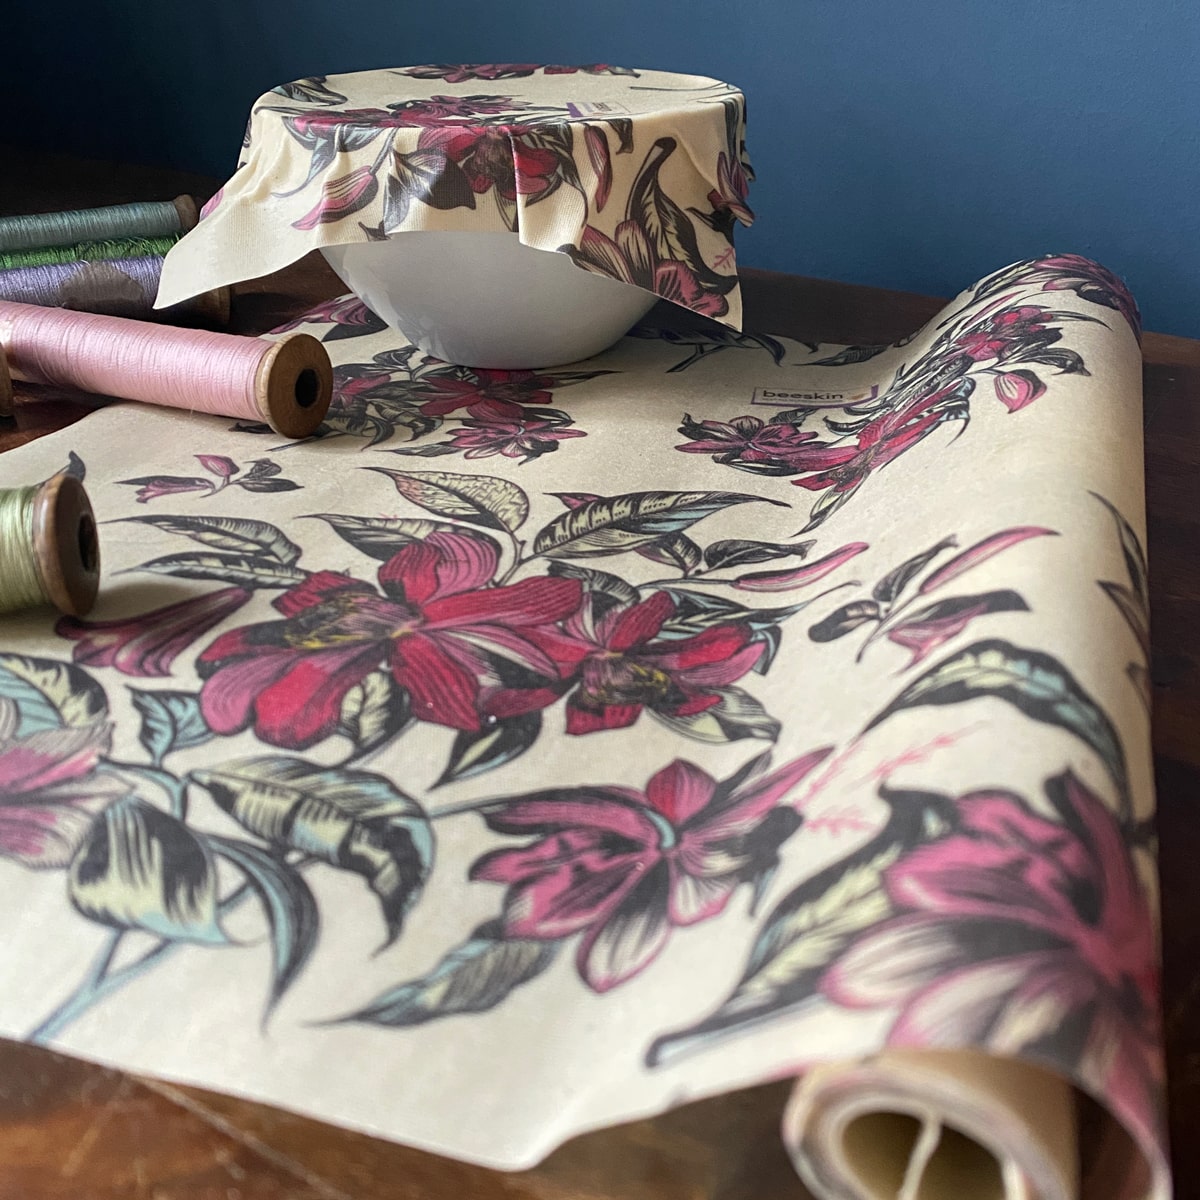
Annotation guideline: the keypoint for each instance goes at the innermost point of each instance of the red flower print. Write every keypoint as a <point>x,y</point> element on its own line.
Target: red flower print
<point>486,394</point>
<point>879,442</point>
<point>147,644</point>
<point>50,789</point>
<point>766,448</point>
<point>499,156</point>
<point>1010,928</point>
<point>625,867</point>
<point>525,440</point>
<point>1008,333</point>
<point>463,650</point>
<point>341,197</point>
<point>623,665</point>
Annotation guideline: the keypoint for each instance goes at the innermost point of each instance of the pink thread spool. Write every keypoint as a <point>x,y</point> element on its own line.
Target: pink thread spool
<point>287,383</point>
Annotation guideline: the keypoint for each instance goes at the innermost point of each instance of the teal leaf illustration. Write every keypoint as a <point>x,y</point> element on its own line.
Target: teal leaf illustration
<point>246,572</point>
<point>374,711</point>
<point>354,820</point>
<point>236,535</point>
<point>493,746</point>
<point>614,524</point>
<point>812,925</point>
<point>485,500</point>
<point>739,715</point>
<point>677,551</point>
<point>472,978</point>
<point>50,694</point>
<point>381,537</point>
<point>141,868</point>
<point>1037,684</point>
<point>290,909</point>
<point>170,721</point>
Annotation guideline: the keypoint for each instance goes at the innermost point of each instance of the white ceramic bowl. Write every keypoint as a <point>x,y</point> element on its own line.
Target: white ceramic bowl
<point>486,300</point>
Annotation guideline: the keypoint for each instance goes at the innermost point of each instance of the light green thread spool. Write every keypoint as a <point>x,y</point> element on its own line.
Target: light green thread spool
<point>115,248</point>
<point>49,552</point>
<point>140,220</point>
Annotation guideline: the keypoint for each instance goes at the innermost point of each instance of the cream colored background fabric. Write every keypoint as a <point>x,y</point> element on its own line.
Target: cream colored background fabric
<point>440,736</point>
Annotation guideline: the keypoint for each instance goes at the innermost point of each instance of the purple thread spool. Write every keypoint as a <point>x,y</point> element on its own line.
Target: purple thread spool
<point>123,287</point>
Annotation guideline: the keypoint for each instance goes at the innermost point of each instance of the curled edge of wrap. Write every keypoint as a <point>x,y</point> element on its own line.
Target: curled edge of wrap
<point>957,1125</point>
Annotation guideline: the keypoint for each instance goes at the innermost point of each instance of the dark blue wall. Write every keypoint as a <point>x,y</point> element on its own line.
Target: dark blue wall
<point>913,145</point>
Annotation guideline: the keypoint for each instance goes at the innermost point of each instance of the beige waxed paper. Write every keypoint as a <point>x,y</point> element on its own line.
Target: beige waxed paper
<point>535,751</point>
<point>640,176</point>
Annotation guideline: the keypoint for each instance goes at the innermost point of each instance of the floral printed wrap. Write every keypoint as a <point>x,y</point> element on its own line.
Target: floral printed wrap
<point>640,176</point>
<point>617,734</point>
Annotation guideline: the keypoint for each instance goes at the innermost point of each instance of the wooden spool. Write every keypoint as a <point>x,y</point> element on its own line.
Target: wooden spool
<point>294,385</point>
<point>65,546</point>
<point>189,214</point>
<point>6,388</point>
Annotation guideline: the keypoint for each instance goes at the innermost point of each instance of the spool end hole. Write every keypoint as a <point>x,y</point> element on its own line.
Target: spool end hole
<point>308,388</point>
<point>88,550</point>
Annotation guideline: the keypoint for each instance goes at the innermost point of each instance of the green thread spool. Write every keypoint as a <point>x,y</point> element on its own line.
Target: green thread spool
<point>114,248</point>
<point>49,551</point>
<point>141,220</point>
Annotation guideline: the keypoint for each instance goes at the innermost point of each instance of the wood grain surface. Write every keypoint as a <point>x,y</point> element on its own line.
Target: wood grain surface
<point>72,1131</point>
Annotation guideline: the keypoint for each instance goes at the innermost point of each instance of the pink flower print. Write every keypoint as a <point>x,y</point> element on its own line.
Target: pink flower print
<point>766,448</point>
<point>463,650</point>
<point>1010,929</point>
<point>623,666</point>
<point>625,867</point>
<point>50,789</point>
<point>526,439</point>
<point>147,644</point>
<point>486,394</point>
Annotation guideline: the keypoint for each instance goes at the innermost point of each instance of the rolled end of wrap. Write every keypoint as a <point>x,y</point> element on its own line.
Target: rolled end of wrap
<point>934,1125</point>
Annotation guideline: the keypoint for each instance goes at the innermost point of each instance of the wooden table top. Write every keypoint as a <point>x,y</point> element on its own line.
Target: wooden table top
<point>72,1130</point>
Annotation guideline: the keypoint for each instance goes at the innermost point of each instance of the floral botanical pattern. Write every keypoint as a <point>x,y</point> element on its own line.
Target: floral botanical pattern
<point>421,750</point>
<point>625,867</point>
<point>655,246</point>
<point>1007,340</point>
<point>958,959</point>
<point>460,73</point>
<point>403,392</point>
<point>584,160</point>
<point>262,475</point>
